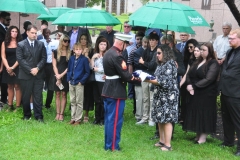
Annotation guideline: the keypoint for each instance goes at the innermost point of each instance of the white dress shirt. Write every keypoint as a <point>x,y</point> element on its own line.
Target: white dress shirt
<point>221,45</point>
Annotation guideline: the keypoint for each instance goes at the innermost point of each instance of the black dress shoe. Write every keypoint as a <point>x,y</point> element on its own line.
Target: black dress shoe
<point>226,145</point>
<point>40,120</point>
<point>96,122</point>
<point>101,123</point>
<point>237,153</point>
<point>138,120</point>
<point>154,137</point>
<point>26,118</point>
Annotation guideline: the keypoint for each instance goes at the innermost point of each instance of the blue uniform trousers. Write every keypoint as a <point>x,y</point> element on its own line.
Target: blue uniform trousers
<point>113,120</point>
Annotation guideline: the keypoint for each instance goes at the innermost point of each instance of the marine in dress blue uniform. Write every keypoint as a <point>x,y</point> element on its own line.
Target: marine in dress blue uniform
<point>114,90</point>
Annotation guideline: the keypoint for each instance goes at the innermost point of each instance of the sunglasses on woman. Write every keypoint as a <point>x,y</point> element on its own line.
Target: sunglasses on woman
<point>191,47</point>
<point>66,41</point>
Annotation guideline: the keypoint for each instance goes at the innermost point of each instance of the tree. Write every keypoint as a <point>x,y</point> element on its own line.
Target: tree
<point>90,3</point>
<point>233,8</point>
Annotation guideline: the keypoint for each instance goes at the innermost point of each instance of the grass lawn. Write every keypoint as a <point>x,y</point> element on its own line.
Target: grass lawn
<point>21,140</point>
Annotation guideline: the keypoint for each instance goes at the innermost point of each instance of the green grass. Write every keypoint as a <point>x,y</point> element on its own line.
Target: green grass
<point>21,140</point>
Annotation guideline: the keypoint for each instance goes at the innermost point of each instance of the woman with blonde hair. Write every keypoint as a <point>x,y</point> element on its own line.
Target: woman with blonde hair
<point>60,65</point>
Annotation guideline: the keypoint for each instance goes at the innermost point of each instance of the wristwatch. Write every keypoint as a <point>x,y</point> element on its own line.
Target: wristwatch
<point>38,69</point>
<point>12,68</point>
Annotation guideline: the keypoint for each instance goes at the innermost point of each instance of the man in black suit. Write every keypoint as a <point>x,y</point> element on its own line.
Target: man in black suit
<point>108,34</point>
<point>31,56</point>
<point>230,92</point>
<point>4,22</point>
<point>184,38</point>
<point>75,34</point>
<point>25,26</point>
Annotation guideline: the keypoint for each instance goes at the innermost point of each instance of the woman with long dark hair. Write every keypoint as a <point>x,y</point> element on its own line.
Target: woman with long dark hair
<point>101,46</point>
<point>10,71</point>
<point>88,103</point>
<point>188,56</point>
<point>201,112</point>
<point>165,99</point>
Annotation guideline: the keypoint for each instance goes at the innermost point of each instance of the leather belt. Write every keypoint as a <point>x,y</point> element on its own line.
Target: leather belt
<point>113,77</point>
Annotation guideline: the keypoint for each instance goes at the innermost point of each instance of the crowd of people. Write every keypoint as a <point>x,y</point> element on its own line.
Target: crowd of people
<point>188,78</point>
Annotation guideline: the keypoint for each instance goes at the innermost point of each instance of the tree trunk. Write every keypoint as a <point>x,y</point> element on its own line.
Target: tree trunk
<point>233,8</point>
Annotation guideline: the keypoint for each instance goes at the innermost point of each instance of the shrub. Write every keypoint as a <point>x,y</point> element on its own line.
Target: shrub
<point>114,14</point>
<point>124,14</point>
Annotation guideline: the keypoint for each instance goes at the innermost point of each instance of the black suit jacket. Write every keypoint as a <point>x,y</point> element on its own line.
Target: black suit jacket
<point>30,58</point>
<point>2,38</point>
<point>80,32</point>
<point>230,77</point>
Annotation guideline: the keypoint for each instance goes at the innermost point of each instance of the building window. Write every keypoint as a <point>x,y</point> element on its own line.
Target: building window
<point>206,4</point>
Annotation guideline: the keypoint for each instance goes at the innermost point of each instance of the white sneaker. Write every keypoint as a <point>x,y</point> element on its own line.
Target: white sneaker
<point>141,122</point>
<point>151,123</point>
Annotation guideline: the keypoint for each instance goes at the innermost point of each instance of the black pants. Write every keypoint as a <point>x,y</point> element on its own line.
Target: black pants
<point>48,71</point>
<point>99,107</point>
<point>32,87</point>
<point>182,104</point>
<point>4,92</point>
<point>231,119</point>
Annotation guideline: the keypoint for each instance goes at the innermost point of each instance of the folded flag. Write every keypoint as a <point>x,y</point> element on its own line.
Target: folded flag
<point>143,75</point>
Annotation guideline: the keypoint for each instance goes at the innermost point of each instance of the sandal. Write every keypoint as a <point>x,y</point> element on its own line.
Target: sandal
<point>166,148</point>
<point>61,117</point>
<point>57,117</point>
<point>159,144</point>
<point>85,120</point>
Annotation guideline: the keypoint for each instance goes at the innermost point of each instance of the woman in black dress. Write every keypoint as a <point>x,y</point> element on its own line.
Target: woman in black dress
<point>201,113</point>
<point>188,57</point>
<point>60,64</point>
<point>10,70</point>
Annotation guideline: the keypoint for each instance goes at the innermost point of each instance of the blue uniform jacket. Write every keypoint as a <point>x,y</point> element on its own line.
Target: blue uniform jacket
<point>81,70</point>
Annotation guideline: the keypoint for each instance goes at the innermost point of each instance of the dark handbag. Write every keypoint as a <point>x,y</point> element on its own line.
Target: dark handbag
<point>91,77</point>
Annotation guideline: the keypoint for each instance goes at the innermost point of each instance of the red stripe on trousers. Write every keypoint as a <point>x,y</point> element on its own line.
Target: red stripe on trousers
<point>115,124</point>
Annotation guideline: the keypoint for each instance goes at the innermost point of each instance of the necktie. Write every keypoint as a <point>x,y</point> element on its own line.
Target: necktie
<point>6,28</point>
<point>182,47</point>
<point>32,45</point>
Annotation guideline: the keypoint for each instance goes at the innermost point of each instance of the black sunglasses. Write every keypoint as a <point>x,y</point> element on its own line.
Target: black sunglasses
<point>158,53</point>
<point>66,41</point>
<point>191,47</point>
<point>126,26</point>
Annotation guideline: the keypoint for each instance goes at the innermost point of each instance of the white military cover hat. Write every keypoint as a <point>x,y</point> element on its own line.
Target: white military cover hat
<point>123,37</point>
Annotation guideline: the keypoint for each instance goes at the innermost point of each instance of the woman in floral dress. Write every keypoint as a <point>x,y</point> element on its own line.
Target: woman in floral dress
<point>166,92</point>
